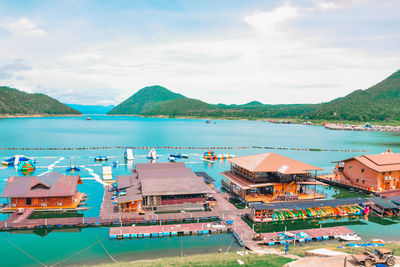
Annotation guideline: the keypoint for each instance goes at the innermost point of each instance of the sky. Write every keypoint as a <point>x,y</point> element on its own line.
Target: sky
<point>218,51</point>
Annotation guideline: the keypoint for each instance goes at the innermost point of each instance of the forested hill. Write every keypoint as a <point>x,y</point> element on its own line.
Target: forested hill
<point>145,100</point>
<point>15,102</point>
<point>157,100</point>
<point>378,103</point>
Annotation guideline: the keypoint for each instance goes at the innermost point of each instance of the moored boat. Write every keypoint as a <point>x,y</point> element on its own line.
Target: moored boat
<point>350,237</point>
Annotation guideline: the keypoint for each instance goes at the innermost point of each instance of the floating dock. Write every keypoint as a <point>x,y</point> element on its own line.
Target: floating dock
<point>166,230</point>
<point>319,234</point>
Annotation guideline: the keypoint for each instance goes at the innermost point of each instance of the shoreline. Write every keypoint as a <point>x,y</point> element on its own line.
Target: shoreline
<point>12,116</point>
<point>301,121</point>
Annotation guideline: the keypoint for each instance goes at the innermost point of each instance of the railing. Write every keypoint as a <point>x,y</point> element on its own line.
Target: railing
<point>348,183</point>
<point>312,191</point>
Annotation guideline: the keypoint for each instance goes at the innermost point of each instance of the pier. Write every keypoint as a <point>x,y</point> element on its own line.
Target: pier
<point>166,230</point>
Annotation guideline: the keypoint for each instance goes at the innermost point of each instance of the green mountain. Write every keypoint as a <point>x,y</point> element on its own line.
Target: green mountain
<point>13,102</point>
<point>377,103</point>
<point>157,100</point>
<point>145,100</point>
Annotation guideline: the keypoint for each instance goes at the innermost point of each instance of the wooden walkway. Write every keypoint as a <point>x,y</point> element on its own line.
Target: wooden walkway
<point>240,230</point>
<point>165,230</point>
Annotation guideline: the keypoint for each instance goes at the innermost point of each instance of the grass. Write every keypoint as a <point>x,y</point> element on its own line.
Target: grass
<point>300,250</point>
<point>215,260</point>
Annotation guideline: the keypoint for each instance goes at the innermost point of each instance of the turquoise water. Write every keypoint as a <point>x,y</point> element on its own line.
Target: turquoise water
<point>54,246</point>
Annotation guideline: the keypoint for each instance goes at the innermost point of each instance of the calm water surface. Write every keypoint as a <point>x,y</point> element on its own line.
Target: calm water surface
<point>54,246</point>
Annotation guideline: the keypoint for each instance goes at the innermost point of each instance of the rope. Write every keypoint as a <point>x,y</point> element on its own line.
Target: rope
<point>26,253</point>
<point>186,148</point>
<point>233,239</point>
<point>79,252</point>
<point>109,255</point>
<point>181,250</point>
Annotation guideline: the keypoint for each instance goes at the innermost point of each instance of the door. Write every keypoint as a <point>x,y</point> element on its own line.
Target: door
<point>28,201</point>
<point>387,185</point>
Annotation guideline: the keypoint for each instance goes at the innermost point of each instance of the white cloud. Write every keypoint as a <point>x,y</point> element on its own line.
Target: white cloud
<point>269,20</point>
<point>82,57</point>
<point>22,26</point>
<point>328,5</point>
<point>275,55</point>
<point>334,4</point>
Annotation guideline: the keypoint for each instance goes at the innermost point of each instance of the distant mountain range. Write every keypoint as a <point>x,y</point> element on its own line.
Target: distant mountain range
<point>378,103</point>
<point>91,109</point>
<point>157,100</point>
<point>15,102</point>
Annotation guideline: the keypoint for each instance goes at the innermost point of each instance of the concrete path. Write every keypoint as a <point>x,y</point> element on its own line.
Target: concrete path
<point>327,262</point>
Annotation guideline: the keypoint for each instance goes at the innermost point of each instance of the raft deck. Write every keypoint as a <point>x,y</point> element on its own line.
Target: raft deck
<point>312,235</point>
<point>165,230</point>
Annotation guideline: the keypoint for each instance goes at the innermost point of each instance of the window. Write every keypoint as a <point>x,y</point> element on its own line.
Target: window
<point>384,173</point>
<point>363,181</point>
<point>28,201</point>
<point>362,170</point>
<point>357,180</point>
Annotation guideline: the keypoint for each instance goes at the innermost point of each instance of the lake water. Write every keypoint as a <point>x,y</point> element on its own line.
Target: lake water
<point>55,246</point>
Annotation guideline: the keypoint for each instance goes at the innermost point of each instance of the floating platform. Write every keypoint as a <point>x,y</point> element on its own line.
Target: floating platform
<point>166,230</point>
<point>319,234</point>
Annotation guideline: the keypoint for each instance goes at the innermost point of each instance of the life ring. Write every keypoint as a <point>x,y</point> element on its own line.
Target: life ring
<point>35,201</point>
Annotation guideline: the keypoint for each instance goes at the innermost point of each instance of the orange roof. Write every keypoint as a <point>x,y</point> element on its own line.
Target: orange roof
<point>243,183</point>
<point>380,162</point>
<point>271,162</point>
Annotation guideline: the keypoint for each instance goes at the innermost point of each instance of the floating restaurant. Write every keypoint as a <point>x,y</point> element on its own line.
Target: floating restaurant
<point>379,173</point>
<point>51,191</point>
<point>161,187</point>
<point>271,177</point>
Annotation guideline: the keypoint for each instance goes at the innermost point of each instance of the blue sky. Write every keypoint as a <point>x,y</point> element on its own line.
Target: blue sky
<point>101,52</point>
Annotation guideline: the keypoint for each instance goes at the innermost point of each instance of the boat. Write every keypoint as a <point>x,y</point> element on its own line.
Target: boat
<point>350,237</point>
<point>88,118</point>
<point>171,159</point>
<point>152,154</point>
<point>115,163</point>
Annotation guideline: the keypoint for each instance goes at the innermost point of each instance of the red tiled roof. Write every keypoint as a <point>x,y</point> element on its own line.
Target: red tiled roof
<point>380,162</point>
<point>271,162</point>
<point>55,185</point>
